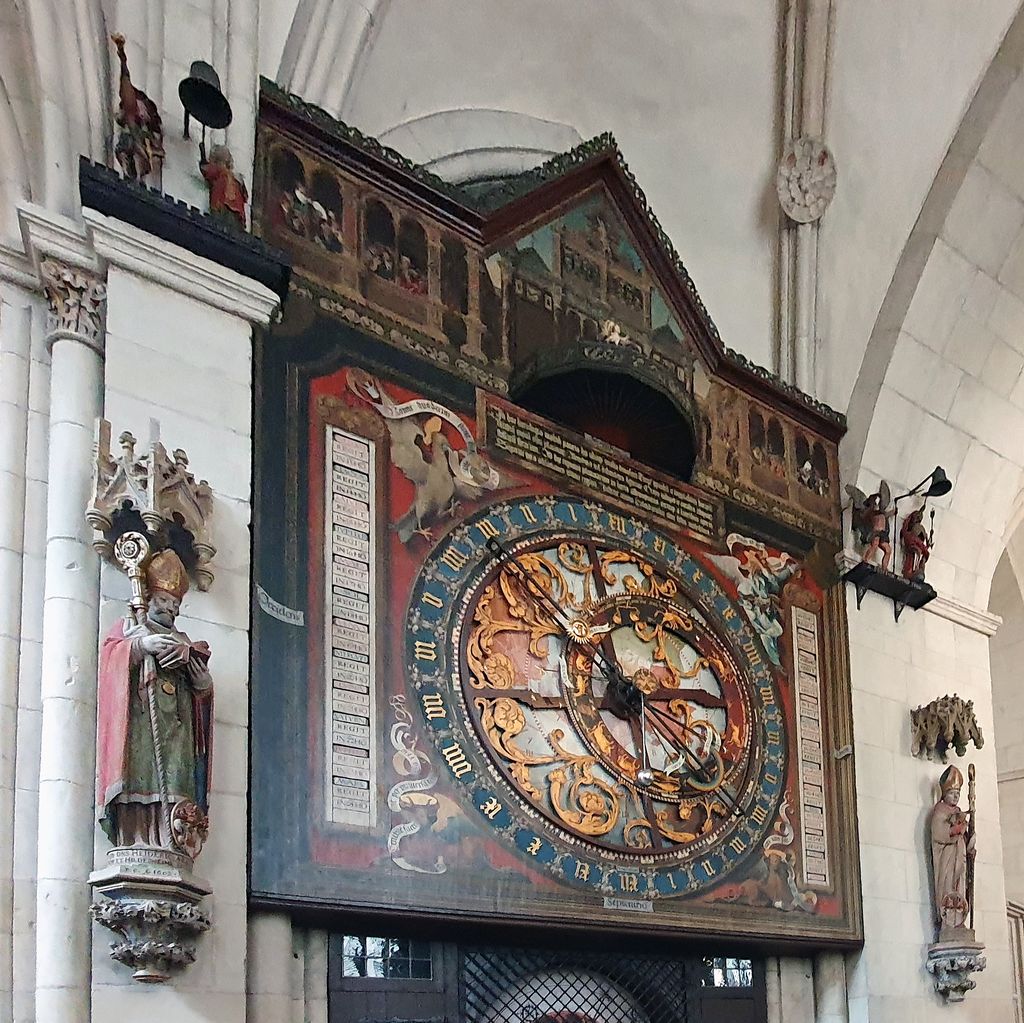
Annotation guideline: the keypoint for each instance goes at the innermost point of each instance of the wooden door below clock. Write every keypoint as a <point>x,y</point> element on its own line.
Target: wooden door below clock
<point>398,980</point>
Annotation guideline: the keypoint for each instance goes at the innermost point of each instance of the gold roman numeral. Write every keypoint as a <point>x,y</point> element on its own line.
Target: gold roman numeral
<point>487,529</point>
<point>457,762</point>
<point>433,706</point>
<point>454,559</point>
<point>425,651</point>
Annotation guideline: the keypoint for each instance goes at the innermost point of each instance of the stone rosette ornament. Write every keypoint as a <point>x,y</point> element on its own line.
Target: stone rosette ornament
<point>806,180</point>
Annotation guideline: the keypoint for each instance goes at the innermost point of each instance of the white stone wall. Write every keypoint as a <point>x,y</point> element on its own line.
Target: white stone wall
<point>1007,657</point>
<point>896,667</point>
<point>172,358</point>
<point>892,110</point>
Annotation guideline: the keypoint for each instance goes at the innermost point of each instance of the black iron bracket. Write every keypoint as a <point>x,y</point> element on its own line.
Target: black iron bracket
<point>902,592</point>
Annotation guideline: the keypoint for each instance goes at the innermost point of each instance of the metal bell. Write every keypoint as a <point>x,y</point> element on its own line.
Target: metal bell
<point>202,98</point>
<point>939,483</point>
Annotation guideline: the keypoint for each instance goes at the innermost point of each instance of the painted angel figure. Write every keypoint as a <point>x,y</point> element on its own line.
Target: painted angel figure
<point>759,578</point>
<point>441,476</point>
<point>871,515</point>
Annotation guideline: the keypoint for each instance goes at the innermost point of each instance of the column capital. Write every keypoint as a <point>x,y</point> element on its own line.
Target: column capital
<point>76,299</point>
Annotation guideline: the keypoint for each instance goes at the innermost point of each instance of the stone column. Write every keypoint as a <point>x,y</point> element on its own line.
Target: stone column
<point>70,607</point>
<point>796,990</point>
<point>314,981</point>
<point>15,360</point>
<point>773,990</point>
<point>269,969</point>
<point>830,988</point>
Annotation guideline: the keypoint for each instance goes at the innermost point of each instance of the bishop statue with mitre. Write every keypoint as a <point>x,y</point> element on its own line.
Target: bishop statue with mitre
<point>154,722</point>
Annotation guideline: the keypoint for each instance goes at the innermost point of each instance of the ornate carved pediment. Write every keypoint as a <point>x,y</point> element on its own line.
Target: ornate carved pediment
<point>157,488</point>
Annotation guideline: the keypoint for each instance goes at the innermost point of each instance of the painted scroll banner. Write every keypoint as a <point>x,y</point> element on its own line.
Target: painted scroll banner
<point>349,601</point>
<point>813,826</point>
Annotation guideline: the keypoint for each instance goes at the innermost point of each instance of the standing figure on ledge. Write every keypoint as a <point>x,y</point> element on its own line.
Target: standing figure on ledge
<point>228,194</point>
<point>140,144</point>
<point>917,545</point>
<point>154,723</point>
<point>952,841</point>
<point>871,516</point>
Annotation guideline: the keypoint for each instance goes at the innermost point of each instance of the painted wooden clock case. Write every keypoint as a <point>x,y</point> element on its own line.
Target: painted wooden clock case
<point>445,681</point>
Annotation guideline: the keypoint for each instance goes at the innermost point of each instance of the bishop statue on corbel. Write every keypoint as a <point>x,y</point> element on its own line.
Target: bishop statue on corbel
<point>154,708</point>
<point>957,952</point>
<point>155,721</point>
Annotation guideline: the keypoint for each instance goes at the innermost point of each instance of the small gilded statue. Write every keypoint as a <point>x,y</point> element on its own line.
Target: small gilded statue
<point>140,143</point>
<point>917,541</point>
<point>228,194</point>
<point>871,515</point>
<point>155,718</point>
<point>953,841</point>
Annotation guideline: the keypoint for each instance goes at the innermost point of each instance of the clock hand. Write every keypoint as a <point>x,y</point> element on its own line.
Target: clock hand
<point>701,768</point>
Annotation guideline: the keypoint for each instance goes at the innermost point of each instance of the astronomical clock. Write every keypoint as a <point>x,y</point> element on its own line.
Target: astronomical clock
<point>545,624</point>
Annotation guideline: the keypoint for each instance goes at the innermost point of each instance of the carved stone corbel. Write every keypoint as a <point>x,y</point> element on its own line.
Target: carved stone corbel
<point>951,964</point>
<point>157,934</point>
<point>947,722</point>
<point>157,489</point>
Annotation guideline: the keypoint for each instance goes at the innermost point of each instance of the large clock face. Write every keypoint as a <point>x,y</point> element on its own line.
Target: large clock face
<point>599,698</point>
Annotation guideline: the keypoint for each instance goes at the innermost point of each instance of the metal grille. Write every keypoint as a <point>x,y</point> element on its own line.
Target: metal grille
<point>503,985</point>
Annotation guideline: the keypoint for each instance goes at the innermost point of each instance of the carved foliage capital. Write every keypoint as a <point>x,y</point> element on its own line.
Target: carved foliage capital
<point>76,300</point>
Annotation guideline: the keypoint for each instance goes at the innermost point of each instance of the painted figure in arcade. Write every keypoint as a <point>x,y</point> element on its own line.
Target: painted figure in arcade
<point>155,721</point>
<point>952,842</point>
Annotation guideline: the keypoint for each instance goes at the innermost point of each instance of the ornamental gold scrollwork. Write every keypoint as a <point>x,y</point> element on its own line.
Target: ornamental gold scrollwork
<point>503,719</point>
<point>495,670</point>
<point>580,799</point>
<point>651,585</point>
<point>574,556</point>
<point>591,805</point>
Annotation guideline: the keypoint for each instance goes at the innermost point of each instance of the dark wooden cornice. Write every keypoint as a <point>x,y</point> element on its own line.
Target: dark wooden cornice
<point>163,216</point>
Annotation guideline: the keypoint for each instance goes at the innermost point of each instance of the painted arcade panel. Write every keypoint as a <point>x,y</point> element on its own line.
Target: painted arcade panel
<point>572,289</point>
<point>360,241</point>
